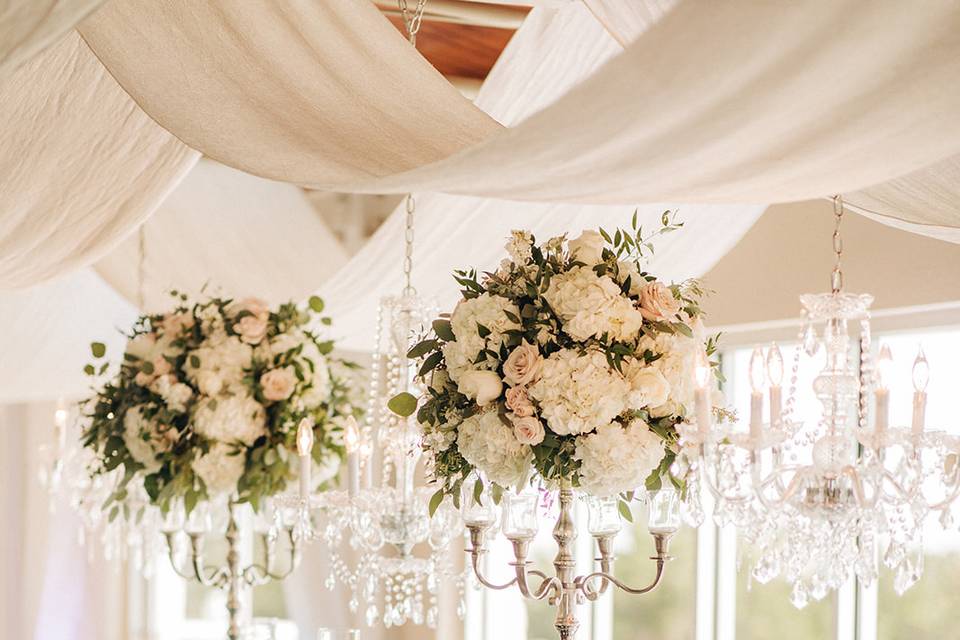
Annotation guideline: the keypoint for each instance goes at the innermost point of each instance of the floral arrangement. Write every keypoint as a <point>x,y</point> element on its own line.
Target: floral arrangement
<point>569,363</point>
<point>208,400</point>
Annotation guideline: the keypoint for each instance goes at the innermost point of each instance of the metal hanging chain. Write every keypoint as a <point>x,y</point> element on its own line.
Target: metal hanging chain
<point>411,22</point>
<point>141,266</point>
<point>412,19</point>
<point>408,289</point>
<point>836,278</point>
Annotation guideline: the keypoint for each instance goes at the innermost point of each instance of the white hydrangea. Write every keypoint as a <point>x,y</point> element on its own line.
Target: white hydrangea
<point>236,418</point>
<point>487,310</point>
<point>222,360</point>
<point>590,305</point>
<point>220,468</point>
<point>142,439</point>
<point>490,446</point>
<point>439,439</point>
<point>577,393</point>
<point>616,458</point>
<point>175,394</point>
<point>676,364</point>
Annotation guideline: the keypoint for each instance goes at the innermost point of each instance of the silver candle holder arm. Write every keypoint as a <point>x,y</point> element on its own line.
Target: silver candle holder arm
<point>564,590</point>
<point>232,576</point>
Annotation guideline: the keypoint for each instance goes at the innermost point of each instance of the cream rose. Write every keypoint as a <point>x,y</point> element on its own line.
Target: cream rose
<point>588,248</point>
<point>657,302</point>
<point>176,323</point>
<point>482,386</point>
<point>523,365</point>
<point>518,401</point>
<point>648,386</point>
<point>252,326</point>
<point>278,384</point>
<point>527,430</point>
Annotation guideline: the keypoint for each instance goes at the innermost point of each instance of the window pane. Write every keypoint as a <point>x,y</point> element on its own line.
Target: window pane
<point>668,612</point>
<point>764,611</point>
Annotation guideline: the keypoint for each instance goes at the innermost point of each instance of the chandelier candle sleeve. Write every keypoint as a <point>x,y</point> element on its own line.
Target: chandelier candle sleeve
<point>701,374</point>
<point>352,442</point>
<point>921,376</point>
<point>757,375</point>
<point>775,374</point>
<point>882,393</point>
<point>304,448</point>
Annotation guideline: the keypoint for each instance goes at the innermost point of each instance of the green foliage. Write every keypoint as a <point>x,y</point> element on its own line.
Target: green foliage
<point>403,404</point>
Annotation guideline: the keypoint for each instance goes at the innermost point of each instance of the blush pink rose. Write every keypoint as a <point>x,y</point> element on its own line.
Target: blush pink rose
<point>253,319</point>
<point>278,384</point>
<point>518,401</point>
<point>528,430</point>
<point>657,302</point>
<point>175,324</point>
<point>523,365</point>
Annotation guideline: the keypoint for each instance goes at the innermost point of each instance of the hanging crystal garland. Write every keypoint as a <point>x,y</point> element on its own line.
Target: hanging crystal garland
<point>819,500</point>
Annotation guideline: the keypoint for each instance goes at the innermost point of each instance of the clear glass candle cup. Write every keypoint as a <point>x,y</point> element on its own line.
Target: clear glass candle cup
<point>477,510</point>
<point>603,516</point>
<point>663,516</point>
<point>520,515</point>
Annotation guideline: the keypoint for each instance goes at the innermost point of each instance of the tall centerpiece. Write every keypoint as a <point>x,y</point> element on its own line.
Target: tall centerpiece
<point>218,404</point>
<point>570,368</point>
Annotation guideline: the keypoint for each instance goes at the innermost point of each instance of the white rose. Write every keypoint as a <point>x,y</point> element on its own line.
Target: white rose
<point>648,387</point>
<point>518,401</point>
<point>678,355</point>
<point>252,327</point>
<point>210,383</point>
<point>628,269</point>
<point>527,430</point>
<point>657,302</point>
<point>482,386</point>
<point>523,365</point>
<point>617,459</point>
<point>278,384</point>
<point>588,248</point>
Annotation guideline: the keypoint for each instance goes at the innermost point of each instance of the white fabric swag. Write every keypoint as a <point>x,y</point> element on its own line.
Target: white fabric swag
<point>740,101</point>
<point>29,26</point>
<point>81,164</point>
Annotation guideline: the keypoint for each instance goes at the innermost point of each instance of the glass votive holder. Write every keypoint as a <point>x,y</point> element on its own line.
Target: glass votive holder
<point>476,510</point>
<point>199,520</point>
<point>603,516</point>
<point>663,516</point>
<point>520,515</point>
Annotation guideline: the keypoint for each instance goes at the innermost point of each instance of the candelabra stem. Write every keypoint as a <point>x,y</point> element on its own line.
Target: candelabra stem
<point>565,534</point>
<point>235,574</point>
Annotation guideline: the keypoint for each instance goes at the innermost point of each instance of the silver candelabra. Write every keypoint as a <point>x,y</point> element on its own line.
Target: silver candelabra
<point>564,590</point>
<point>232,576</point>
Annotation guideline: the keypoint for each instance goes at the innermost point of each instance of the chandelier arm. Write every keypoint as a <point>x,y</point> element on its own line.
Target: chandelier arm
<point>851,472</point>
<point>946,502</point>
<point>715,491</point>
<point>785,491</point>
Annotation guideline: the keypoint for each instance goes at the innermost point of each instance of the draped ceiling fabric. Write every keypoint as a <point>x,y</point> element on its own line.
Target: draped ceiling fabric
<point>552,50</point>
<point>740,101</point>
<point>287,90</point>
<point>28,26</point>
<point>81,164</point>
<point>237,234</point>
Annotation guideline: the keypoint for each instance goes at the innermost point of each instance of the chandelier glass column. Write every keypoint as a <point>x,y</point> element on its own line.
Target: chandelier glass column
<point>821,498</point>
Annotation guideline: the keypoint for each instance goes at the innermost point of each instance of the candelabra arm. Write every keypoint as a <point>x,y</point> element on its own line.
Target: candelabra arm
<point>476,551</point>
<point>547,585</point>
<point>591,592</point>
<point>258,574</point>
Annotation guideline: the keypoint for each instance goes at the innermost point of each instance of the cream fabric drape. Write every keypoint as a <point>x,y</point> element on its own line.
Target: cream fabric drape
<point>740,101</point>
<point>234,233</point>
<point>287,90</point>
<point>81,164</point>
<point>625,20</point>
<point>28,26</point>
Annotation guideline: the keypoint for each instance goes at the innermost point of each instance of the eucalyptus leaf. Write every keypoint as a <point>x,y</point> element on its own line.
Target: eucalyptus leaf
<point>443,330</point>
<point>316,303</point>
<point>435,501</point>
<point>98,349</point>
<point>403,404</point>
<point>624,510</point>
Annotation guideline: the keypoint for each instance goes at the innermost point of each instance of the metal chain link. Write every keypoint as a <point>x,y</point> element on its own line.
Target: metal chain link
<point>408,289</point>
<point>836,278</point>
<point>411,22</point>
<point>141,266</point>
<point>412,19</point>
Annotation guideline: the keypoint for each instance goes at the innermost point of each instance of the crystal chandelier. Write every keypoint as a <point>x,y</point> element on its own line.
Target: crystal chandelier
<point>818,499</point>
<point>394,559</point>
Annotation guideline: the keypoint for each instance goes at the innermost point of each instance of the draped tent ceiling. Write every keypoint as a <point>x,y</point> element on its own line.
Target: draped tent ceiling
<point>610,102</point>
